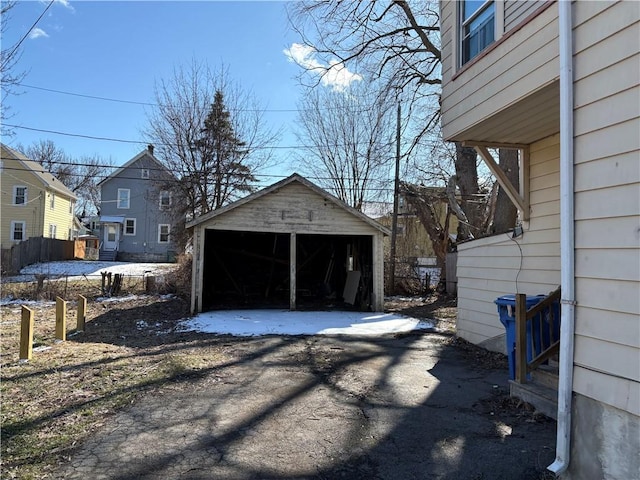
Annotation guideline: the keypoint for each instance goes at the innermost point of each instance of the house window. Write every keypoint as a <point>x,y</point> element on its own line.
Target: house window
<point>53,229</point>
<point>129,226</point>
<point>52,201</point>
<point>70,207</point>
<point>144,173</point>
<point>165,199</point>
<point>18,231</point>
<point>477,29</point>
<point>123,197</point>
<point>163,233</point>
<point>19,195</point>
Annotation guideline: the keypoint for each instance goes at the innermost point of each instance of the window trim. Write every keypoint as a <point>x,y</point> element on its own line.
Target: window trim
<point>135,226</point>
<point>461,24</point>
<point>13,230</point>
<point>53,230</point>
<point>15,195</point>
<point>144,173</point>
<point>165,194</point>
<point>52,201</point>
<point>118,204</point>
<point>168,234</point>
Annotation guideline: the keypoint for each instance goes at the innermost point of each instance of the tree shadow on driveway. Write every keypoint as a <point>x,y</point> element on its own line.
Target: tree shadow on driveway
<point>393,407</point>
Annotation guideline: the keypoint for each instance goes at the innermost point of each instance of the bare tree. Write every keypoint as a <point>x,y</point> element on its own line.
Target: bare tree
<point>398,42</point>
<point>9,56</point>
<point>506,213</point>
<point>349,141</point>
<point>80,175</point>
<point>181,129</point>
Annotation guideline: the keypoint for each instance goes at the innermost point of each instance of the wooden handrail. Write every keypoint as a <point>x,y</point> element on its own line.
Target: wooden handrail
<point>522,365</point>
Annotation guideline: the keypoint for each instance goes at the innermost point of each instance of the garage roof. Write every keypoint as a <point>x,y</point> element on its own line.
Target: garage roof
<point>293,178</point>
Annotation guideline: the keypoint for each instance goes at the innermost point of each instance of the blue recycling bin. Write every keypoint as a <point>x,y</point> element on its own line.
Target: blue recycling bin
<point>507,311</point>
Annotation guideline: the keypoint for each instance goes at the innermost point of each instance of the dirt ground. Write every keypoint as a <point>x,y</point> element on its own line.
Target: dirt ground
<point>412,406</point>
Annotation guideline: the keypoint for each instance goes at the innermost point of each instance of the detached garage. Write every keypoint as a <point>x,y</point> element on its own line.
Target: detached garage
<point>289,245</point>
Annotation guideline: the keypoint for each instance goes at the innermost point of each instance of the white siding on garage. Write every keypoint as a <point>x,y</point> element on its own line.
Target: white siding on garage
<point>607,203</point>
<point>500,265</point>
<point>293,207</point>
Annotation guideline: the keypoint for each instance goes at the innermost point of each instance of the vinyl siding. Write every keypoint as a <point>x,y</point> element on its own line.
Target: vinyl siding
<point>515,68</point>
<point>515,11</point>
<point>607,202</point>
<point>144,206</point>
<point>59,216</point>
<point>35,213</point>
<point>500,265</point>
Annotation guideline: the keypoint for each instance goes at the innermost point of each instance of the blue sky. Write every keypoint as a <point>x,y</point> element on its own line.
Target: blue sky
<point>119,50</point>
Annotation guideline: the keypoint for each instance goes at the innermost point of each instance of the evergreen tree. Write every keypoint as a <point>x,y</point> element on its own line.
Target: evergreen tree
<point>223,157</point>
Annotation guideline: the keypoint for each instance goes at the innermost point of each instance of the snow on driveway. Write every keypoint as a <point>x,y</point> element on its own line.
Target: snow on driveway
<point>285,322</point>
<point>88,268</point>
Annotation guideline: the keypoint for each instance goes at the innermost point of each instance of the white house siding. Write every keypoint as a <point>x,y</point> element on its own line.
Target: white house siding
<point>607,203</point>
<point>500,265</point>
<point>508,73</point>
<point>515,11</point>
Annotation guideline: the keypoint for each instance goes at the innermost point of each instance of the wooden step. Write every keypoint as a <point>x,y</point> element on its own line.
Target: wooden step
<point>543,398</point>
<point>545,375</point>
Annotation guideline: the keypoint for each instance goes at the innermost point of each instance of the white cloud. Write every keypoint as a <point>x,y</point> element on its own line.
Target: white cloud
<point>65,3</point>
<point>37,33</point>
<point>335,75</point>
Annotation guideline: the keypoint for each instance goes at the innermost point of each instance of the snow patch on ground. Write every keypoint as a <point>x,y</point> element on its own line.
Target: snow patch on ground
<point>285,322</point>
<point>88,268</point>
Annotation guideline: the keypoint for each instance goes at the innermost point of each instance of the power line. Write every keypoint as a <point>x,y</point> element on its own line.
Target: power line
<point>140,142</point>
<point>149,104</point>
<point>153,104</point>
<point>176,180</point>
<point>13,50</point>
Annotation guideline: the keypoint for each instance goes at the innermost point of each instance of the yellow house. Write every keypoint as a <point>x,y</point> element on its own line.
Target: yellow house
<point>560,81</point>
<point>34,202</point>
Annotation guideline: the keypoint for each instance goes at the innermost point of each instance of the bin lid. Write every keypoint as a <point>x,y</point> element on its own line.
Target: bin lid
<point>507,300</point>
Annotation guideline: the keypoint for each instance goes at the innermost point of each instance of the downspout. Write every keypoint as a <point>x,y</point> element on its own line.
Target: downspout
<point>567,243</point>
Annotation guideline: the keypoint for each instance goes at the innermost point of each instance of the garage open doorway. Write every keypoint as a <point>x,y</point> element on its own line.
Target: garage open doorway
<point>253,270</point>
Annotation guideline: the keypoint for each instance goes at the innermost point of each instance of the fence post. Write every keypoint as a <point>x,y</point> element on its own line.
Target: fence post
<point>82,313</point>
<point>26,334</point>
<point>61,319</point>
<point>521,338</point>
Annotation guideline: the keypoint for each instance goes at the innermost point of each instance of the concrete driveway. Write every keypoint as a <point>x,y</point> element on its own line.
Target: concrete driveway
<point>412,406</point>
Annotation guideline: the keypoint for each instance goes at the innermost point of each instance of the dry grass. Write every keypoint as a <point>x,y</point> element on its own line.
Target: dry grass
<point>69,389</point>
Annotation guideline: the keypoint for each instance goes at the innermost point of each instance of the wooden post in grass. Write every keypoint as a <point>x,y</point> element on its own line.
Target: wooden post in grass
<point>26,334</point>
<point>82,313</point>
<point>61,319</point>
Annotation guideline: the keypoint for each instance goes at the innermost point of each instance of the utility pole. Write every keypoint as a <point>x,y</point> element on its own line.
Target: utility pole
<point>394,218</point>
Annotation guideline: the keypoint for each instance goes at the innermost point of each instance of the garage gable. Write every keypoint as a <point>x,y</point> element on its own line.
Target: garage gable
<point>291,205</point>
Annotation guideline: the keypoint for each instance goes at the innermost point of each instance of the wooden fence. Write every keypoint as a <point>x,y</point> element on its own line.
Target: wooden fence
<point>35,250</point>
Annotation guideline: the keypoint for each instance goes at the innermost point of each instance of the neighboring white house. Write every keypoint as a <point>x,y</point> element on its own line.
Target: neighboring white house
<point>560,81</point>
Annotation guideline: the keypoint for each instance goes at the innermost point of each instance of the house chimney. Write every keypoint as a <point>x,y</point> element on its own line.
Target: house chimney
<point>150,148</point>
